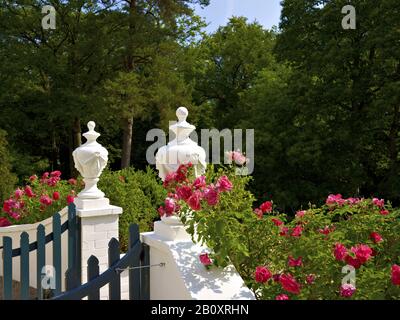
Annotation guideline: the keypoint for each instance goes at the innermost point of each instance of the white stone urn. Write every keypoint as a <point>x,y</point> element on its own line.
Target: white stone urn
<point>90,160</point>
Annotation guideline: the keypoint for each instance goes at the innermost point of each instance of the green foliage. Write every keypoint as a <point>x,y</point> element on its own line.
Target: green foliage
<point>7,178</point>
<point>139,193</point>
<point>350,225</point>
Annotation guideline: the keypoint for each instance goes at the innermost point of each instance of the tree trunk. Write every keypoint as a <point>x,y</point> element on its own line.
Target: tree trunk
<point>127,143</point>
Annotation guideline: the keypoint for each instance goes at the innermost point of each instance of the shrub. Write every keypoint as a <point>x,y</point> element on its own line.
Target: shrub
<point>7,179</point>
<point>39,199</point>
<point>304,257</point>
<point>139,193</point>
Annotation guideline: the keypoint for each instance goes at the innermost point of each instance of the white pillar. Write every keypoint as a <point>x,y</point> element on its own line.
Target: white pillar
<point>183,277</point>
<point>99,224</point>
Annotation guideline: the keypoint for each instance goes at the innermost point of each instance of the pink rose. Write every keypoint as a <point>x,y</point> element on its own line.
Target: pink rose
<point>45,175</point>
<point>266,207</point>
<point>212,196</point>
<point>277,222</point>
<point>284,231</point>
<point>362,252</point>
<point>33,178</point>
<point>56,195</point>
<point>29,192</point>
<point>396,275</point>
<point>259,213</point>
<point>310,279</point>
<point>19,193</point>
<point>289,283</point>
<point>297,231</point>
<point>70,199</point>
<point>72,182</point>
<point>335,200</point>
<point>295,262</point>
<point>183,192</point>
<point>4,222</point>
<point>376,237</point>
<point>384,212</point>
<point>378,202</point>
<point>194,201</point>
<point>224,184</point>
<point>340,252</point>
<point>282,297</point>
<point>347,290</point>
<point>45,200</point>
<point>169,179</point>
<point>170,206</point>
<point>205,259</point>
<point>327,230</point>
<point>300,214</point>
<point>161,211</point>
<point>262,274</point>
<point>15,215</point>
<point>200,182</point>
<point>56,174</point>
<point>355,262</point>
<point>181,173</point>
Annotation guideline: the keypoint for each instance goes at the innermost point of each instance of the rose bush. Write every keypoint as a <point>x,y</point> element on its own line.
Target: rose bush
<point>39,199</point>
<point>282,257</point>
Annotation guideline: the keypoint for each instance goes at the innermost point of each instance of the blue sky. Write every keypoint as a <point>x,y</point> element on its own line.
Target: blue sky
<point>266,12</point>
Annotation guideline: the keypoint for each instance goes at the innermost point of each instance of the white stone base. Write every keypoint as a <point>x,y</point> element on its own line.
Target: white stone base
<point>184,277</point>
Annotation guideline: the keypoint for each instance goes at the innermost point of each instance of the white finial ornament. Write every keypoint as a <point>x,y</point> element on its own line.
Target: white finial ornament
<point>90,160</point>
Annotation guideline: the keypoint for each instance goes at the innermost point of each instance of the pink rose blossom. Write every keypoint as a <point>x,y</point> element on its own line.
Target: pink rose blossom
<point>19,193</point>
<point>194,201</point>
<point>170,206</point>
<point>72,182</point>
<point>289,283</point>
<point>282,297</point>
<point>15,215</point>
<point>284,231</point>
<point>4,222</point>
<point>212,196</point>
<point>224,184</point>
<point>29,192</point>
<point>378,202</point>
<point>205,259</point>
<point>347,290</point>
<point>70,199</point>
<point>266,207</point>
<point>262,274</point>
<point>376,237</point>
<point>310,279</point>
<point>362,252</point>
<point>277,222</point>
<point>295,262</point>
<point>56,195</point>
<point>33,178</point>
<point>396,275</point>
<point>384,212</point>
<point>340,252</point>
<point>300,214</point>
<point>297,231</point>
<point>45,200</point>
<point>184,192</point>
<point>355,262</point>
<point>259,213</point>
<point>200,182</point>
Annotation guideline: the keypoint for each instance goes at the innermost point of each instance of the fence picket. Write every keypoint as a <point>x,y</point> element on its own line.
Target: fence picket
<point>93,272</point>
<point>71,236</point>
<point>40,259</point>
<point>134,273</point>
<point>113,257</point>
<point>24,266</point>
<point>145,273</point>
<point>57,252</point>
<point>7,268</point>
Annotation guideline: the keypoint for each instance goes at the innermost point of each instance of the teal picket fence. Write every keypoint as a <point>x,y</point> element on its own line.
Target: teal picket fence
<point>38,247</point>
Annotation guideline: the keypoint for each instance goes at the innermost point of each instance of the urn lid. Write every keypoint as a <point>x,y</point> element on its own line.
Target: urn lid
<point>91,135</point>
<point>182,128</point>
